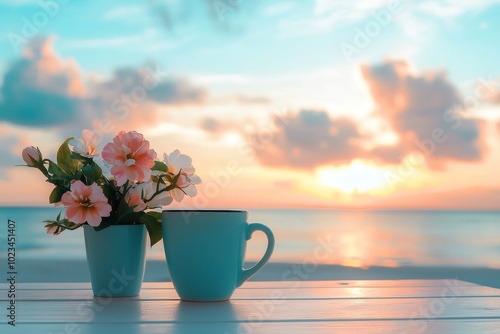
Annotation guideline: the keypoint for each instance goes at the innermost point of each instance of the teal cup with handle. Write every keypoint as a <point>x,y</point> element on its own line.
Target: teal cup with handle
<point>205,251</point>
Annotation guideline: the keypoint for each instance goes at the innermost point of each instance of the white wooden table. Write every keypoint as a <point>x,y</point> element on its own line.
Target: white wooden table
<point>378,306</point>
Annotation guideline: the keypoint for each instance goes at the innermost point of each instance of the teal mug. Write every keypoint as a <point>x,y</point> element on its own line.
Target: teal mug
<point>205,250</point>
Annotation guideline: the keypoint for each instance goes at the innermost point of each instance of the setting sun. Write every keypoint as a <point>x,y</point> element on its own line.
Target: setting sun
<point>356,177</point>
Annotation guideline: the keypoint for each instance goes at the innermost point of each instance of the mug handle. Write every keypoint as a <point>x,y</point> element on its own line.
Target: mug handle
<point>247,273</point>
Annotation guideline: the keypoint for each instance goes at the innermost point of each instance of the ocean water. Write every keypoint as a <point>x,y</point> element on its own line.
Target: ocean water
<point>350,238</point>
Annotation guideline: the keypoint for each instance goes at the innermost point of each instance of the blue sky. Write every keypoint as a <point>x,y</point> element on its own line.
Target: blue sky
<point>264,35</point>
<point>234,64</point>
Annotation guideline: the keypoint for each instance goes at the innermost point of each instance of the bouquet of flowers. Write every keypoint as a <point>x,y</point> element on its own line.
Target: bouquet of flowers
<point>119,186</point>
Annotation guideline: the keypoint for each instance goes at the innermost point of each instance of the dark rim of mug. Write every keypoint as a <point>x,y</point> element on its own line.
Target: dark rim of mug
<point>204,210</point>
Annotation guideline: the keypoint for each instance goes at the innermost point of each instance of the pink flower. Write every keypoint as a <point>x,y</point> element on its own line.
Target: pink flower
<point>136,201</point>
<point>30,152</point>
<point>130,156</point>
<point>177,162</point>
<point>85,204</point>
<point>87,145</point>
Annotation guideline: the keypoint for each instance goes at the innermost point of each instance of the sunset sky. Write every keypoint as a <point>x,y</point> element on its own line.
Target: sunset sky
<point>364,104</point>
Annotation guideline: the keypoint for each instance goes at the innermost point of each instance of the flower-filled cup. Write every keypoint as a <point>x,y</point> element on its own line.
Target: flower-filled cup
<point>118,186</point>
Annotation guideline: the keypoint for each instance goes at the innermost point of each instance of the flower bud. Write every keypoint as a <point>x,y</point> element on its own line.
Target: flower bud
<point>30,152</point>
<point>53,228</point>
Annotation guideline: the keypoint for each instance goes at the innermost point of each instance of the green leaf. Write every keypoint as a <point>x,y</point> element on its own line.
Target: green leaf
<point>122,210</point>
<point>160,166</point>
<point>109,192</point>
<point>69,224</point>
<point>85,160</point>
<point>55,170</point>
<point>126,214</point>
<point>88,175</point>
<point>91,173</point>
<point>64,160</point>
<point>56,194</point>
<point>97,172</point>
<point>106,222</point>
<point>153,226</point>
<point>156,215</point>
<point>132,218</point>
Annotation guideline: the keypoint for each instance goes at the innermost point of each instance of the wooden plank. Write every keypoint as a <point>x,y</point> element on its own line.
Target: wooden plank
<point>290,293</point>
<point>352,327</point>
<point>261,284</point>
<point>116,310</point>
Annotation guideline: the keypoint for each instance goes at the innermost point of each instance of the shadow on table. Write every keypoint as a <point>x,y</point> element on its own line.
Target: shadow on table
<point>106,315</point>
<point>207,318</point>
<point>127,316</point>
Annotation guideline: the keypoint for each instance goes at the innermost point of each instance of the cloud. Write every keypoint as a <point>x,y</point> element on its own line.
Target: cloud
<point>130,99</point>
<point>148,83</point>
<point>223,128</point>
<point>177,92</point>
<point>222,14</point>
<point>489,90</point>
<point>444,10</point>
<point>40,89</point>
<point>425,111</point>
<point>101,43</point>
<point>307,139</point>
<point>241,99</point>
<point>210,124</point>
<point>224,79</point>
<point>122,13</point>
<point>278,8</point>
<point>495,98</point>
<point>43,90</point>
<point>244,99</point>
<point>9,159</point>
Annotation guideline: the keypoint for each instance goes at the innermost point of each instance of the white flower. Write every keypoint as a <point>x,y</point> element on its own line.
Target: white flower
<point>162,199</point>
<point>105,167</point>
<point>140,192</point>
<point>87,145</point>
<point>185,185</point>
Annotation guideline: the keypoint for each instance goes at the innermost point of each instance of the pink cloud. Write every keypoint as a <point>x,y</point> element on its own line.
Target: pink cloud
<point>307,139</point>
<point>41,89</point>
<point>426,112</point>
